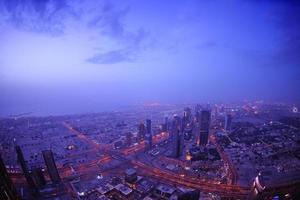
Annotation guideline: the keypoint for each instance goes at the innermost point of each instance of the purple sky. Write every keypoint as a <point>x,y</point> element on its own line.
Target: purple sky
<point>66,56</point>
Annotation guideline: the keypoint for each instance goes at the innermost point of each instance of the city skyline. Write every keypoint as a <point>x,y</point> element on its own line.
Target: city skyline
<point>236,151</point>
<point>149,100</point>
<point>65,57</point>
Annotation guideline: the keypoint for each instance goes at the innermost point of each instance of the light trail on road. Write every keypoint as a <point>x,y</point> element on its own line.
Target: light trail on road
<point>229,190</point>
<point>233,172</point>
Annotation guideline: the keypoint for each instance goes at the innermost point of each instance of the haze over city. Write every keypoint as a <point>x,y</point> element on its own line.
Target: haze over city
<point>149,100</point>
<point>61,57</point>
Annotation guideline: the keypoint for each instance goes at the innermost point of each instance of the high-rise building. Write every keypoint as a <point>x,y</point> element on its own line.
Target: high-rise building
<point>187,116</point>
<point>197,113</point>
<point>204,127</point>
<point>149,133</point>
<point>148,126</point>
<point>166,124</point>
<point>38,177</point>
<point>198,108</point>
<point>163,127</point>
<point>227,124</point>
<point>128,139</point>
<point>203,138</point>
<point>51,166</point>
<point>25,168</point>
<point>196,133</point>
<point>141,132</point>
<point>177,137</point>
<point>177,144</point>
<point>7,189</point>
<point>177,122</point>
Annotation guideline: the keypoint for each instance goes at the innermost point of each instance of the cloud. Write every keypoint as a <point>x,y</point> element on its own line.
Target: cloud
<point>286,17</point>
<point>111,57</point>
<point>110,20</point>
<point>111,23</point>
<point>290,27</point>
<point>55,17</point>
<point>35,15</point>
<point>133,43</point>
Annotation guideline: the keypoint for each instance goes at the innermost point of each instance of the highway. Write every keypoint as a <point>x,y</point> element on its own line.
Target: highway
<point>233,172</point>
<point>89,169</point>
<point>193,182</point>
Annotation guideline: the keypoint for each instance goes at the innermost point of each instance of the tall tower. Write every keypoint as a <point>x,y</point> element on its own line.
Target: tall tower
<point>148,126</point>
<point>204,127</point>
<point>197,113</point>
<point>51,166</point>
<point>177,123</point>
<point>38,177</point>
<point>149,133</point>
<point>166,124</point>
<point>7,189</point>
<point>177,142</point>
<point>24,167</point>
<point>128,139</point>
<point>227,124</point>
<point>196,132</point>
<point>187,115</point>
<point>141,132</point>
<point>177,137</point>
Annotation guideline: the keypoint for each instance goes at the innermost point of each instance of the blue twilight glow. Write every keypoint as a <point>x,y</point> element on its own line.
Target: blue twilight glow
<point>68,56</point>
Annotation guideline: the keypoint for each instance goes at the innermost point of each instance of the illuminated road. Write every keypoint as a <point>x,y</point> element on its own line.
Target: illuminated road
<point>83,137</point>
<point>89,169</point>
<point>226,190</point>
<point>141,146</point>
<point>193,182</point>
<point>233,172</point>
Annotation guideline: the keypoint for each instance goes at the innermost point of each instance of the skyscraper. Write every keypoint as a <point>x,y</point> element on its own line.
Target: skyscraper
<point>149,133</point>
<point>24,168</point>
<point>165,125</point>
<point>204,127</point>
<point>7,189</point>
<point>227,124</point>
<point>177,137</point>
<point>141,132</point>
<point>177,122</point>
<point>187,115</point>
<point>196,132</point>
<point>177,142</point>
<point>148,126</point>
<point>128,139</point>
<point>38,176</point>
<point>197,113</point>
<point>51,166</point>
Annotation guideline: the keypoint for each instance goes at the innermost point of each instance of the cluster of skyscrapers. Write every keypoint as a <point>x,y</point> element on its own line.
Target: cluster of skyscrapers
<point>7,189</point>
<point>177,127</point>
<point>34,177</point>
<point>145,133</point>
<point>183,127</point>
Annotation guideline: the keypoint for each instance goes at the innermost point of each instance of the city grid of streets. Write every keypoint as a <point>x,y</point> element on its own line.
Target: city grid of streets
<point>139,157</point>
